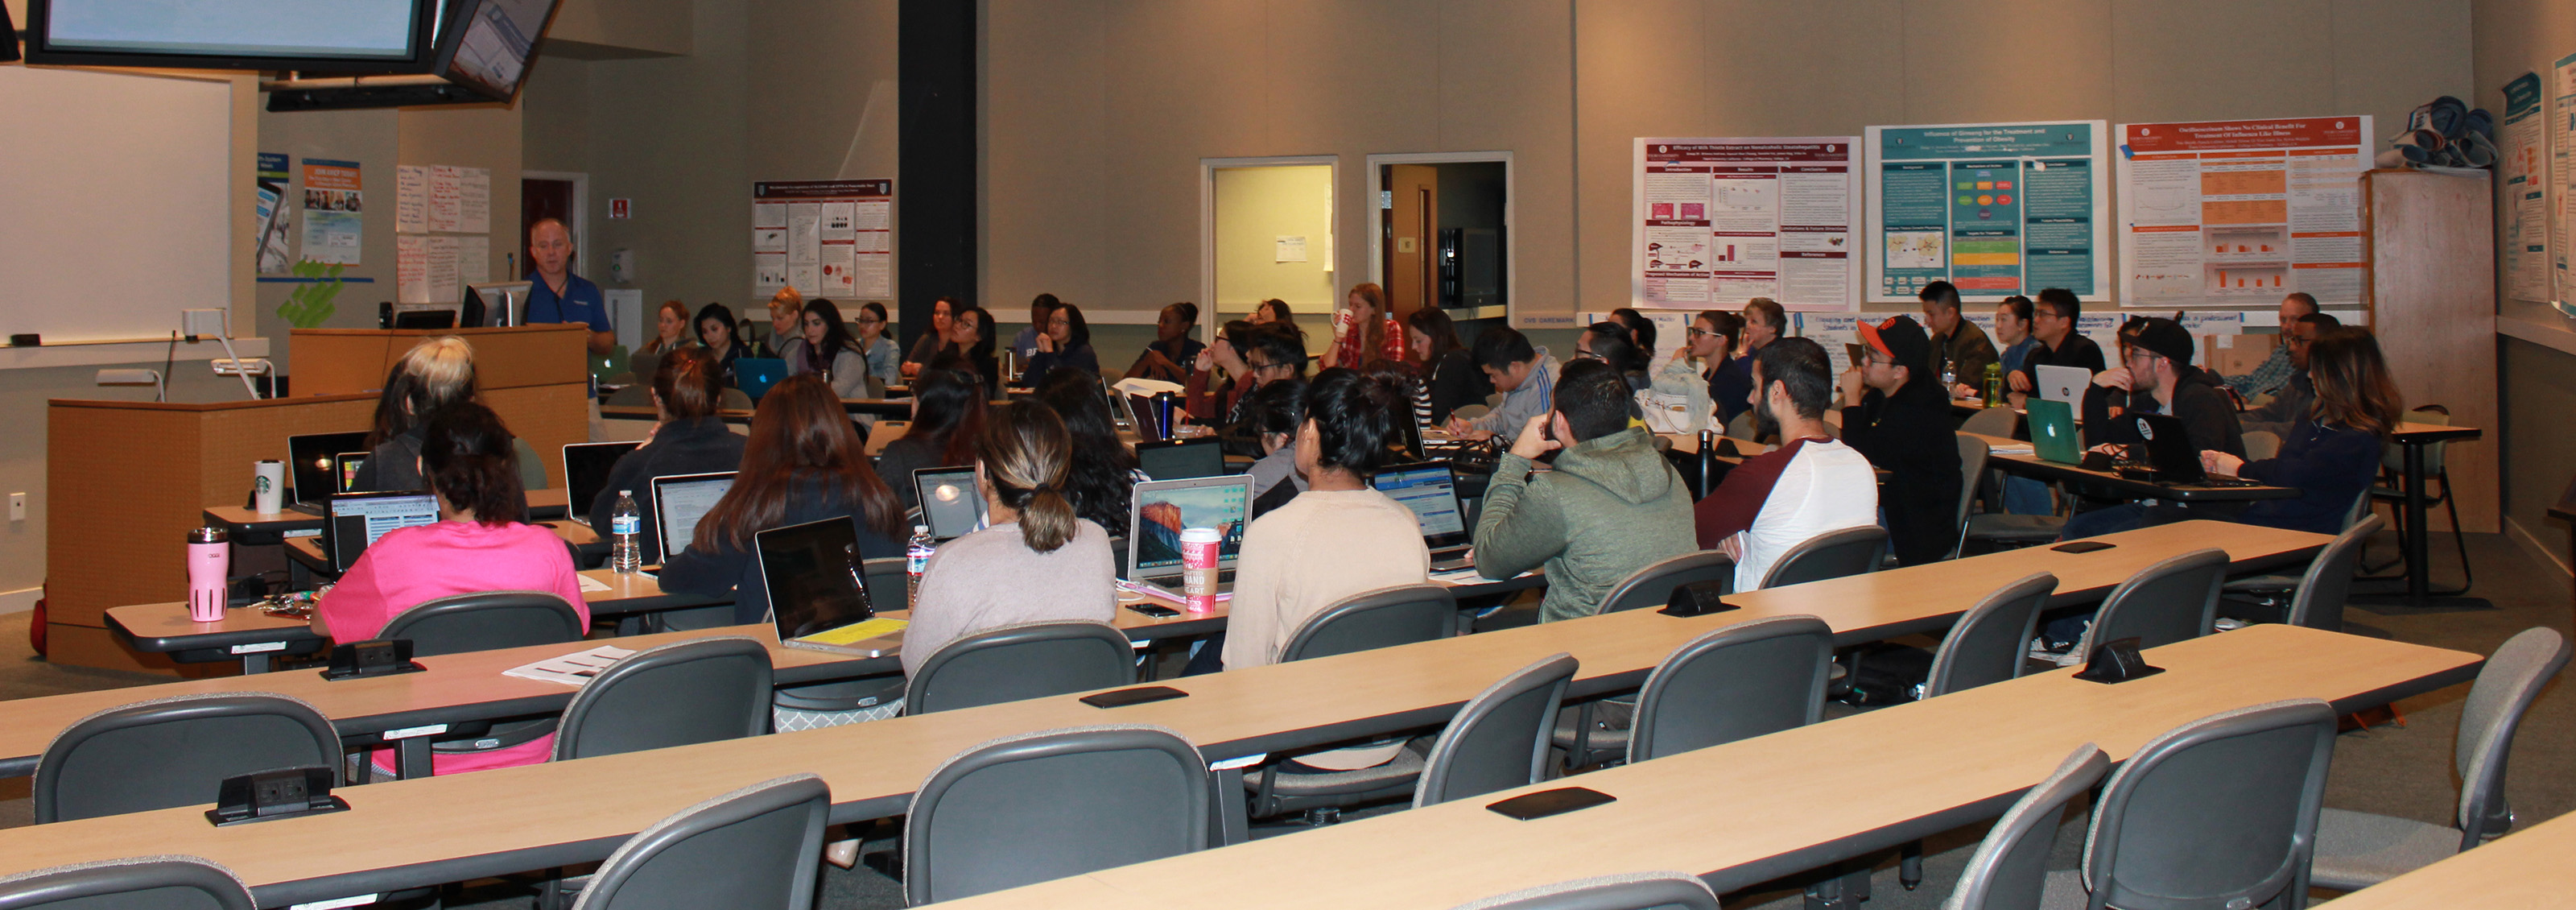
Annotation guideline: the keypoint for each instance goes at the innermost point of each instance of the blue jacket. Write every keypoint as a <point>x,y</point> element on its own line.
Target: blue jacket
<point>2330,463</point>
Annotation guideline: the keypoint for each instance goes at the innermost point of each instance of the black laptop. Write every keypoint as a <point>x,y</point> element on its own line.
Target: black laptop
<point>1181,459</point>
<point>817,586</point>
<point>313,464</point>
<point>2171,458</point>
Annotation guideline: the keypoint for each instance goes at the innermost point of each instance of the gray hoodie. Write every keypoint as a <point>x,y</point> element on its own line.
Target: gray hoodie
<point>1534,397</point>
<point>1611,506</point>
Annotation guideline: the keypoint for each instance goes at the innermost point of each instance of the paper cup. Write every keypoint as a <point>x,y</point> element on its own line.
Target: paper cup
<point>268,486</point>
<point>1198,567</point>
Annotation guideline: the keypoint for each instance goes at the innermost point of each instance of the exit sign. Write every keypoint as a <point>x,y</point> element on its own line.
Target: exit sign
<point>617,209</point>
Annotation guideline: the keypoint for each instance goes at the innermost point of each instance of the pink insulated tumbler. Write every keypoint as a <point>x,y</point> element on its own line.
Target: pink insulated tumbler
<point>209,559</point>
<point>1198,567</point>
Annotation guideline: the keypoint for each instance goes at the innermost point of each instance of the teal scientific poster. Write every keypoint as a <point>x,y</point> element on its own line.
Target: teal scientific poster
<point>1996,208</point>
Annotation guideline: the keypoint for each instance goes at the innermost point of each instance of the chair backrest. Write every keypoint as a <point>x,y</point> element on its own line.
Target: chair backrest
<point>2393,456</point>
<point>2261,444</point>
<point>1989,642</point>
<point>685,692</point>
<point>2171,601</point>
<point>884,577</point>
<point>2010,868</point>
<point>2001,422</point>
<point>634,395</point>
<point>1652,586</point>
<point>1738,682</point>
<point>1376,619</point>
<point>2219,812</point>
<point>485,621</point>
<point>1051,804</point>
<point>176,751</point>
<point>1499,739</point>
<point>1833,554</point>
<point>1741,427</point>
<point>752,848</point>
<point>2328,582</point>
<point>1634,891</point>
<point>1028,660</point>
<point>140,883</point>
<point>1972,469</point>
<point>2513,676</point>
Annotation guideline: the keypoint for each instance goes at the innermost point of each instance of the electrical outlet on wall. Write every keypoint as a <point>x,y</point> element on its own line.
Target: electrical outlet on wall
<point>17,507</point>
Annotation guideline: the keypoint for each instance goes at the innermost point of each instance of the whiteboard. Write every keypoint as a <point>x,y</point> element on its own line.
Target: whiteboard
<point>112,202</point>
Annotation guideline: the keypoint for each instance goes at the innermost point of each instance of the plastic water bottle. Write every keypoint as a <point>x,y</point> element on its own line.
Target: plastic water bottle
<point>626,530</point>
<point>916,560</point>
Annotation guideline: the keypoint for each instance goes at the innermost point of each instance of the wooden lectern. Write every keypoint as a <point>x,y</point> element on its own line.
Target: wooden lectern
<point>127,480</point>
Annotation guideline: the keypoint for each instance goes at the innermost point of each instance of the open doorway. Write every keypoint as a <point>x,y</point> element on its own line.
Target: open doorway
<point>1443,233</point>
<point>1268,236</point>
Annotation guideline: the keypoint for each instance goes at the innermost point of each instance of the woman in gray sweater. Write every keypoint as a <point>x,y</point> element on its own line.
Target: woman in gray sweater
<point>1037,562</point>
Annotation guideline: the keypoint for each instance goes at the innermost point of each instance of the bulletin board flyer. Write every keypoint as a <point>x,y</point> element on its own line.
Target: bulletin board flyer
<point>1998,209</point>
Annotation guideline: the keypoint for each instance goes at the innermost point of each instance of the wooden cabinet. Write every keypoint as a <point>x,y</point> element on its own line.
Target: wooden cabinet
<point>2429,286</point>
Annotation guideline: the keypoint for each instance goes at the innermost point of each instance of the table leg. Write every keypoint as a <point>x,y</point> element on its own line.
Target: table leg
<point>411,757</point>
<point>256,663</point>
<point>2419,579</point>
<point>1234,826</point>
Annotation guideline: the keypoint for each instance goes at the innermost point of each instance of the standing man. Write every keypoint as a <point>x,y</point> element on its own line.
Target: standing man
<point>2275,371</point>
<point>2012,330</point>
<point>558,294</point>
<point>2053,323</point>
<point>1894,413</point>
<point>1960,350</point>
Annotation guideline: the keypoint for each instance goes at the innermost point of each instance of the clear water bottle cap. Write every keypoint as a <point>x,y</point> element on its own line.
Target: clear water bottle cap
<point>921,529</point>
<point>625,492</point>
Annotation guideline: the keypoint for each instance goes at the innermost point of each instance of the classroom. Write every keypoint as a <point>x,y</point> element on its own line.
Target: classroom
<point>1404,454</point>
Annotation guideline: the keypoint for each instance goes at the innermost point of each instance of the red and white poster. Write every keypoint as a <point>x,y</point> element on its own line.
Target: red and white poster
<point>1721,221</point>
<point>826,238</point>
<point>2242,212</point>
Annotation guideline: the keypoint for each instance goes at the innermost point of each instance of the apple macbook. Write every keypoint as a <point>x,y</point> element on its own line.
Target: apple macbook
<point>950,504</point>
<point>1430,491</point>
<point>312,465</point>
<point>679,500</point>
<point>818,593</point>
<point>1159,510</point>
<point>754,375</point>
<point>2052,432</point>
<point>2062,383</point>
<point>586,469</point>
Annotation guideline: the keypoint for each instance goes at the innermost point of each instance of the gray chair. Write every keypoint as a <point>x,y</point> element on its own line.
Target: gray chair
<point>485,621</point>
<point>2009,870</point>
<point>733,399</point>
<point>1634,891</point>
<point>2000,422</point>
<point>1499,739</point>
<point>2277,592</point>
<point>1990,642</point>
<point>755,847</point>
<point>1015,662</point>
<point>1737,682</point>
<point>2174,600</point>
<point>2328,582</point>
<point>1041,806</point>
<point>884,577</point>
<point>176,751</point>
<point>1652,586</point>
<point>1833,554</point>
<point>1374,619</point>
<point>2359,849</point>
<point>686,692</point>
<point>1972,469</point>
<point>636,394</point>
<point>141,883</point>
<point>1742,426</point>
<point>2220,812</point>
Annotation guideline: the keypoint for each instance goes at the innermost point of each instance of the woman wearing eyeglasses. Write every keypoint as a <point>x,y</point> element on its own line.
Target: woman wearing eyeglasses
<point>884,362</point>
<point>1696,364</point>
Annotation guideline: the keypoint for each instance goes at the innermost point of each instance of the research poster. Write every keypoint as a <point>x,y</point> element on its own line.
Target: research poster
<point>2524,168</point>
<point>2242,212</point>
<point>1996,208</point>
<point>2562,172</point>
<point>832,239</point>
<point>1720,221</point>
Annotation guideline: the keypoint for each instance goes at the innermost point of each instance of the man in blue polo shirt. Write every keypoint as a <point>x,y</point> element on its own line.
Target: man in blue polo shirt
<point>559,295</point>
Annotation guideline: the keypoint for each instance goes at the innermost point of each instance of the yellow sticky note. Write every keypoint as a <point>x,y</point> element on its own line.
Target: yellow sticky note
<point>857,632</point>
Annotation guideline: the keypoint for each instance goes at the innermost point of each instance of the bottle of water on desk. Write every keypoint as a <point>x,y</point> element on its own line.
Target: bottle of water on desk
<point>626,528</point>
<point>916,559</point>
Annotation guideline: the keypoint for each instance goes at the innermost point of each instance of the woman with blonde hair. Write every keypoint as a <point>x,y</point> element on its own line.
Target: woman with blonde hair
<point>434,374</point>
<point>1035,544</point>
<point>1364,330</point>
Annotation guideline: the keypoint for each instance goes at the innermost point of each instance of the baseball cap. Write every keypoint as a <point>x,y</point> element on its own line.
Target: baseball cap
<point>2165,337</point>
<point>1900,340</point>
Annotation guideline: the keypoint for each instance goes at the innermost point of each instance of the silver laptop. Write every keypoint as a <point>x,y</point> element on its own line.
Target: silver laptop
<point>679,500</point>
<point>1161,508</point>
<point>2063,383</point>
<point>950,504</point>
<point>1430,490</point>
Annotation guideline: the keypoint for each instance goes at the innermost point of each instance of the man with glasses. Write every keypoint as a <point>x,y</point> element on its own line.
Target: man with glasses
<point>2299,396</point>
<point>2276,371</point>
<point>2053,323</point>
<point>2158,378</point>
<point>1260,355</point>
<point>1896,413</point>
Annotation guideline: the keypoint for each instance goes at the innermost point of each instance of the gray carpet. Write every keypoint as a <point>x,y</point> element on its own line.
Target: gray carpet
<point>2396,770</point>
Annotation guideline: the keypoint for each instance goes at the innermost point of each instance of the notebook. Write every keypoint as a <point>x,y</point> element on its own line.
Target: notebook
<point>1430,491</point>
<point>1181,459</point>
<point>1159,510</point>
<point>352,522</point>
<point>586,469</point>
<point>818,597</point>
<point>679,500</point>
<point>950,503</point>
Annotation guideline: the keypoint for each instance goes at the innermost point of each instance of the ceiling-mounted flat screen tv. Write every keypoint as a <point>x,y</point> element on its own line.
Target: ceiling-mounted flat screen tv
<point>311,36</point>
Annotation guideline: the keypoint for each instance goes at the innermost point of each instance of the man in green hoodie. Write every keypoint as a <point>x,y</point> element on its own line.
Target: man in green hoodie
<point>1611,506</point>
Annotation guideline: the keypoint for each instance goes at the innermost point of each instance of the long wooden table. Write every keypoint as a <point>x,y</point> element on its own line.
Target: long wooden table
<point>562,814</point>
<point>1751,811</point>
<point>2524,870</point>
<point>2029,464</point>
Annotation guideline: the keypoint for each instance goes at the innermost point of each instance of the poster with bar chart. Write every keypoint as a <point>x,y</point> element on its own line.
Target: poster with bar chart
<point>1998,209</point>
<point>2242,212</point>
<point>1719,221</point>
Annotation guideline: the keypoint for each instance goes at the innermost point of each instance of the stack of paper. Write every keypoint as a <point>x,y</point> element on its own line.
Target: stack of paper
<point>571,669</point>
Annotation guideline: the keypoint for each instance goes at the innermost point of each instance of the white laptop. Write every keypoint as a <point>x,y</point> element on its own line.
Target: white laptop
<point>679,500</point>
<point>2063,383</point>
<point>1161,508</point>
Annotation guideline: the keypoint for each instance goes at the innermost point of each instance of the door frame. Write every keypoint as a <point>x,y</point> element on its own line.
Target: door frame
<point>1511,200</point>
<point>1207,221</point>
<point>580,219</point>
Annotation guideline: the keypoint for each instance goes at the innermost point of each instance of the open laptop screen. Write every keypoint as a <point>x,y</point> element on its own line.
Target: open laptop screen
<point>950,504</point>
<point>355,521</point>
<point>1431,492</point>
<point>1181,459</point>
<point>310,460</point>
<point>680,500</point>
<point>1163,508</point>
<point>813,574</point>
<point>586,469</point>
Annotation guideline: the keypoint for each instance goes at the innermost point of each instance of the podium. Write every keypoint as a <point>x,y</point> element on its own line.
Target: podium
<point>126,480</point>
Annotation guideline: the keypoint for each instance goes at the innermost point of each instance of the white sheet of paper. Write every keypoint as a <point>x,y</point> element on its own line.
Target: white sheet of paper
<point>474,200</point>
<point>411,198</point>
<point>442,271</point>
<point>474,259</point>
<point>446,192</point>
<point>411,268</point>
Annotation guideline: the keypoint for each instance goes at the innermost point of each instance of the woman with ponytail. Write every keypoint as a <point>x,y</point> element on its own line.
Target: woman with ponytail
<point>1037,562</point>
<point>478,544</point>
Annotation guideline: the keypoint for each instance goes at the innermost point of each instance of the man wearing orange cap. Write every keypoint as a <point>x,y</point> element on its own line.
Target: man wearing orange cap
<point>1896,413</point>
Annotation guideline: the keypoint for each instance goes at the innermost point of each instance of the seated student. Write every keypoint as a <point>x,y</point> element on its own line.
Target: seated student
<point>1811,484</point>
<point>1611,506</point>
<point>2278,369</point>
<point>1103,474</point>
<point>2052,322</point>
<point>1363,329</point>
<point>826,348</point>
<point>670,329</point>
<point>2012,331</point>
<point>716,333</point>
<point>2156,377</point>
<point>1731,385</point>
<point>970,347</point>
<point>1408,385</point>
<point>1025,344</point>
<point>1694,367</point>
<point>803,462</point>
<point>2331,454</point>
<point>1169,356</point>
<point>2298,397</point>
<point>878,346</point>
<point>1067,343</point>
<point>691,439</point>
<point>1208,399</point>
<point>1037,562</point>
<point>1896,414</point>
<point>947,416</point>
<point>1272,414</point>
<point>435,374</point>
<point>1270,353</point>
<point>931,342</point>
<point>1340,537</point>
<point>1960,349</point>
<point>1610,343</point>
<point>1642,332</point>
<point>1525,375</point>
<point>477,545</point>
<point>1448,370</point>
<point>786,317</point>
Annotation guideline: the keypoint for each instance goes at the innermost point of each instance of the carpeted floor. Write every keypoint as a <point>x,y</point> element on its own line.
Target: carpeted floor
<point>2392,769</point>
